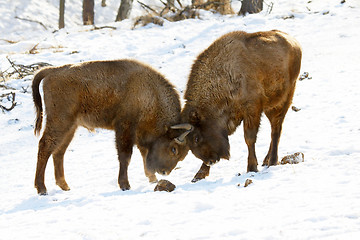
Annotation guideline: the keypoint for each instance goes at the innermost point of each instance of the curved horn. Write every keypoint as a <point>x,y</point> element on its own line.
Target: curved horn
<point>186,126</point>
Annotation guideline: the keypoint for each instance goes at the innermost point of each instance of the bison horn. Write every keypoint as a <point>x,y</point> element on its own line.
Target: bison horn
<point>188,129</point>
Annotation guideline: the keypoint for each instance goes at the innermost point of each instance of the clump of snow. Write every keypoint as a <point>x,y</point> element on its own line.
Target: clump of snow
<point>316,199</point>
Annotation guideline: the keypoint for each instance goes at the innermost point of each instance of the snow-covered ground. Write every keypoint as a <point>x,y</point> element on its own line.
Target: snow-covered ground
<point>316,199</point>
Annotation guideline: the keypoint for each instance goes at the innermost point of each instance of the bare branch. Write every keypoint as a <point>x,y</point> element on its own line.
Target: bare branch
<point>143,5</point>
<point>30,20</point>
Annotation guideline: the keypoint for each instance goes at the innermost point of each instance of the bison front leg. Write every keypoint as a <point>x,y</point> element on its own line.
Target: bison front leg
<point>150,175</point>
<point>202,173</point>
<point>124,145</point>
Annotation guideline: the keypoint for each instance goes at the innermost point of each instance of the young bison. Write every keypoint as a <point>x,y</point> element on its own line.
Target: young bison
<point>237,78</point>
<point>126,96</point>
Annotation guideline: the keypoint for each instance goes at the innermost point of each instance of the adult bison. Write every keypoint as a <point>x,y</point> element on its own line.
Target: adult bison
<point>235,79</point>
<point>122,95</point>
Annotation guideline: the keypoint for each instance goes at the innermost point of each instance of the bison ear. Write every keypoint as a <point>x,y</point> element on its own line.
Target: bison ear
<point>194,117</point>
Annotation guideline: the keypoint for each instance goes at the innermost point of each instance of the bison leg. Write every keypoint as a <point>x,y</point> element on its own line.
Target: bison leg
<point>251,127</point>
<point>124,144</point>
<point>202,173</point>
<point>150,175</point>
<point>276,118</point>
<point>52,137</point>
<point>58,157</point>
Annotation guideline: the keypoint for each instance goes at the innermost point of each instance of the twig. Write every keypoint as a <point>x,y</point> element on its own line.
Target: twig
<point>6,87</point>
<point>33,49</point>
<point>9,41</point>
<point>13,65</point>
<point>30,20</point>
<point>98,28</point>
<point>270,7</point>
<point>146,6</point>
<point>179,3</point>
<point>13,103</point>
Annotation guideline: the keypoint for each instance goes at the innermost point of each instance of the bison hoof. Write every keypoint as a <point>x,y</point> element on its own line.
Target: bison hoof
<point>252,169</point>
<point>41,190</point>
<point>273,163</point>
<point>194,180</point>
<point>63,186</point>
<point>124,186</point>
<point>198,177</point>
<point>152,179</point>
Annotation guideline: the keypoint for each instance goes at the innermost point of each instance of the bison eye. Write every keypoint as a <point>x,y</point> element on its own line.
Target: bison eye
<point>196,139</point>
<point>174,150</point>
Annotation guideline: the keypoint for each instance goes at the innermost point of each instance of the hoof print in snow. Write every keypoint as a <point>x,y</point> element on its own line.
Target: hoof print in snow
<point>164,185</point>
<point>293,158</point>
<point>248,182</point>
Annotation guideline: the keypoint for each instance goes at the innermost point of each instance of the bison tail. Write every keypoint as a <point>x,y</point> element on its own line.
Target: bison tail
<point>37,98</point>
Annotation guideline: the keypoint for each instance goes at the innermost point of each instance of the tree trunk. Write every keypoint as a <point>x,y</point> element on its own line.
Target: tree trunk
<point>251,6</point>
<point>62,14</point>
<point>225,7</point>
<point>88,12</point>
<point>124,10</point>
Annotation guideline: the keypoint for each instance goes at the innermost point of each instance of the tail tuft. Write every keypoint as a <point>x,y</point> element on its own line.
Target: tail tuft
<point>37,98</point>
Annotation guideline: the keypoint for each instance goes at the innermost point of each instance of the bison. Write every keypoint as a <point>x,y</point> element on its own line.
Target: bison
<point>236,79</point>
<point>122,95</point>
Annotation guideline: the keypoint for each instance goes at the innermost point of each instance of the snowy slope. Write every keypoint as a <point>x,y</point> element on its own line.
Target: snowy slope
<point>316,199</point>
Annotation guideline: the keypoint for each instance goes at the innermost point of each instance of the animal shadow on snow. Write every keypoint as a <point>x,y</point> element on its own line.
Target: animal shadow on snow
<point>57,198</point>
<point>211,184</point>
<point>39,203</point>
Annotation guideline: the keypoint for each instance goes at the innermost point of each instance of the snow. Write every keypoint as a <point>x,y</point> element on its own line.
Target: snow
<point>315,199</point>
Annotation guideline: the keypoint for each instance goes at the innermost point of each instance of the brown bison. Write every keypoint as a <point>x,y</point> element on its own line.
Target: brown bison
<point>235,79</point>
<point>124,95</point>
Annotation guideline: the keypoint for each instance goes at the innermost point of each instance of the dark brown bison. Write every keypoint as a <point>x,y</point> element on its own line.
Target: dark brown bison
<point>124,95</point>
<point>235,79</point>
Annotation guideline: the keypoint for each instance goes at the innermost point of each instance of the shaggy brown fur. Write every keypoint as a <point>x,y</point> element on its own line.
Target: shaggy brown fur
<point>126,96</point>
<point>237,78</point>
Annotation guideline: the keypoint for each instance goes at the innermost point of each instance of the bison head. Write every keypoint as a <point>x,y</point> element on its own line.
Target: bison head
<point>168,150</point>
<point>209,140</point>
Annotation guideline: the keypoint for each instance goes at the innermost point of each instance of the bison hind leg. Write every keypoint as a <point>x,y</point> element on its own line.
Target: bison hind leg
<point>276,117</point>
<point>58,157</point>
<point>52,138</point>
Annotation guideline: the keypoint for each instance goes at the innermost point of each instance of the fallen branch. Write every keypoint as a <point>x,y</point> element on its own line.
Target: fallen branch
<point>20,70</point>
<point>30,20</point>
<point>98,28</point>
